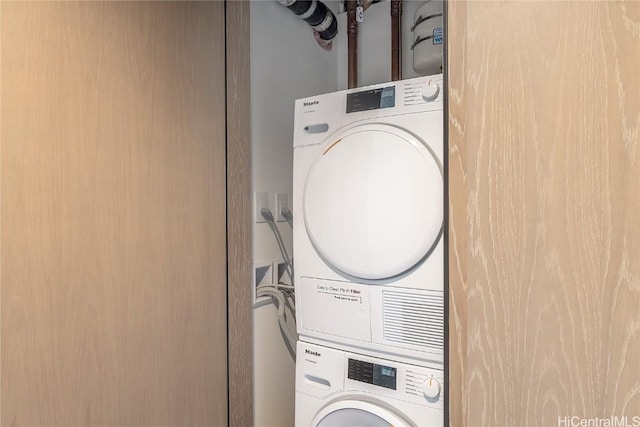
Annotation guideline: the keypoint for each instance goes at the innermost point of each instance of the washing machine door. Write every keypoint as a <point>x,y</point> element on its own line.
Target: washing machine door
<point>373,201</point>
<point>350,413</point>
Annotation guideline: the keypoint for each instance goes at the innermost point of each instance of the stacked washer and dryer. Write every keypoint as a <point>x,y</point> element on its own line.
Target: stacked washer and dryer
<point>368,247</point>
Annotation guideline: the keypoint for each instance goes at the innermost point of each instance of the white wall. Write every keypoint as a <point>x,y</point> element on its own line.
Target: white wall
<point>286,64</point>
<point>374,44</point>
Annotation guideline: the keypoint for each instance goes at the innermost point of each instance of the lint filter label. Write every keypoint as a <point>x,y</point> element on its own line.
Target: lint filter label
<point>341,293</point>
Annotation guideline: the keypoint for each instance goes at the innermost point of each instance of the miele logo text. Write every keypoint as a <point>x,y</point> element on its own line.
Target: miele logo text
<point>310,103</point>
<point>313,353</point>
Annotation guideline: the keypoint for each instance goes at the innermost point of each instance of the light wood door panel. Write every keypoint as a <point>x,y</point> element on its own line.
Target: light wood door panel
<point>239,216</point>
<point>113,263</point>
<point>544,150</point>
<point>457,215</point>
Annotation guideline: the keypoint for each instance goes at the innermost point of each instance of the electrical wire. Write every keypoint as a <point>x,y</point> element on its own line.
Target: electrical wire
<point>287,292</point>
<point>286,213</point>
<point>290,301</point>
<point>278,286</point>
<point>276,295</point>
<point>282,295</point>
<point>268,216</point>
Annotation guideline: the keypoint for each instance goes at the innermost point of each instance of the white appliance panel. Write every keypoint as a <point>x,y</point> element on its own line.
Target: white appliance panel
<point>368,211</point>
<point>341,309</point>
<point>411,321</point>
<point>373,201</point>
<point>345,387</point>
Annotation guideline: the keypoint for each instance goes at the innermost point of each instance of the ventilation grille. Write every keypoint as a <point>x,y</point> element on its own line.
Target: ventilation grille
<point>415,319</point>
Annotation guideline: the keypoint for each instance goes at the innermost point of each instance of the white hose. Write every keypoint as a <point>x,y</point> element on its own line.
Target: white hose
<point>289,338</point>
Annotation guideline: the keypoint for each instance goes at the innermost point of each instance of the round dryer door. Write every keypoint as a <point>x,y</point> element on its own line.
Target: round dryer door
<point>373,201</point>
<point>357,413</point>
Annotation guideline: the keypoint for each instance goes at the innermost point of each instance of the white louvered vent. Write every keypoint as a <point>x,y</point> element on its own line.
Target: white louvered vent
<point>415,319</point>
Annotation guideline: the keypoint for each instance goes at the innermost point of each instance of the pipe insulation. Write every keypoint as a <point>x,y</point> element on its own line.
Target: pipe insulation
<point>316,14</point>
<point>396,40</point>
<point>352,44</point>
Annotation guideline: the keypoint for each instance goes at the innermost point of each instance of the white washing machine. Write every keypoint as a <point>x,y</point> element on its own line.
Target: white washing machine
<point>368,203</point>
<point>335,388</point>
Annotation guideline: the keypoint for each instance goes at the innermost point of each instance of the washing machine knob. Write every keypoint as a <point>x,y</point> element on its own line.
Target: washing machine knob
<point>431,388</point>
<point>430,91</point>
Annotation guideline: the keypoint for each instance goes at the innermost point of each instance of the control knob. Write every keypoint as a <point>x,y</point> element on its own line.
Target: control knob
<point>431,388</point>
<point>430,91</point>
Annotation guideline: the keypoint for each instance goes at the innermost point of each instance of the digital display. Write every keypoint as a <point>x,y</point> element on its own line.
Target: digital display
<point>372,99</point>
<point>384,376</point>
<point>387,371</point>
<point>371,373</point>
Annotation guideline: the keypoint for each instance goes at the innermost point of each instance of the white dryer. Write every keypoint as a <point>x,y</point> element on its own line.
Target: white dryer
<point>340,389</point>
<point>368,203</point>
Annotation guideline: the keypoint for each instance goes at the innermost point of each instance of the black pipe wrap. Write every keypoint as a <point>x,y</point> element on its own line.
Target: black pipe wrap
<point>330,32</point>
<point>300,6</point>
<point>318,15</point>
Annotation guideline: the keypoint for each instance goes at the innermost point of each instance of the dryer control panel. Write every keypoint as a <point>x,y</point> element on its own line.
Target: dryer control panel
<point>319,116</point>
<point>372,99</point>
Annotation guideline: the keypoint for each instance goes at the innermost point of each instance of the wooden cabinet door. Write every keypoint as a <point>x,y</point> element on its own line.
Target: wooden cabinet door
<point>113,263</point>
<point>544,185</point>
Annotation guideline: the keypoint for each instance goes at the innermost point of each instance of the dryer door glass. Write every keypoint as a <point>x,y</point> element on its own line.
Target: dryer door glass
<point>373,202</point>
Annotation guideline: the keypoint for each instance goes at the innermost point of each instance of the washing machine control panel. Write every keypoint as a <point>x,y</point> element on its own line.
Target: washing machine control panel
<point>410,383</point>
<point>323,372</point>
<point>372,373</point>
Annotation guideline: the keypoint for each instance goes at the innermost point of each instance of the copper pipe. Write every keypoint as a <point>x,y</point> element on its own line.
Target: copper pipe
<point>352,44</point>
<point>396,40</point>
